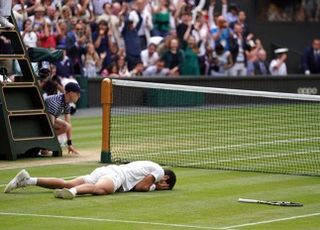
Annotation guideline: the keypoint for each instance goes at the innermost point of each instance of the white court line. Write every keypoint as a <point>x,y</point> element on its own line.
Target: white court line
<point>107,220</point>
<point>253,144</point>
<point>271,221</point>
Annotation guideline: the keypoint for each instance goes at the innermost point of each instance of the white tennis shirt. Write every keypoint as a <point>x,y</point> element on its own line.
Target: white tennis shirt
<point>136,171</point>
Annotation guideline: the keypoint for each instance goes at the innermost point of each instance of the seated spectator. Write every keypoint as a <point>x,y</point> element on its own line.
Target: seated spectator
<point>149,56</point>
<point>137,71</point>
<point>222,61</point>
<point>111,71</point>
<point>174,57</point>
<point>278,65</point>
<point>261,66</point>
<point>157,70</point>
<point>311,58</point>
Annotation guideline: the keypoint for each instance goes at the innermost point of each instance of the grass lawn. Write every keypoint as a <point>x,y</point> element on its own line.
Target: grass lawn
<point>202,199</point>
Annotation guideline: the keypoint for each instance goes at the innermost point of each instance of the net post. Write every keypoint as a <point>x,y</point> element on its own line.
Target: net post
<point>106,101</point>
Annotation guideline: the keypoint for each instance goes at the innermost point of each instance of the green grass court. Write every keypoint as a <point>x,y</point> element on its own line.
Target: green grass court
<point>202,198</point>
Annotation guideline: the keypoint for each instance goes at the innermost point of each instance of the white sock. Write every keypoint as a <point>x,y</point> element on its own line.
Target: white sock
<point>73,191</point>
<point>32,181</point>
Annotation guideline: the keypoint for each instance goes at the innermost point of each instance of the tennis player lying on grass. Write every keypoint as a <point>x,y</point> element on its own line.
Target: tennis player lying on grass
<point>140,176</point>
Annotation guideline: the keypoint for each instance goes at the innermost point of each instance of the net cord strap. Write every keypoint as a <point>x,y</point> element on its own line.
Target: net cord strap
<point>214,90</point>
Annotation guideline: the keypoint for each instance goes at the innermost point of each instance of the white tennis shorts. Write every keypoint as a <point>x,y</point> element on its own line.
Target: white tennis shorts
<point>111,172</point>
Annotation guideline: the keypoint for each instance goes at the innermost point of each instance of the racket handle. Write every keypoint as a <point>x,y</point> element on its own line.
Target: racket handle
<point>247,200</point>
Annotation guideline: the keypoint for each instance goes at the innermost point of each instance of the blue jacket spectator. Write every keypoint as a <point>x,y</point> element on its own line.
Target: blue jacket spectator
<point>132,41</point>
<point>311,58</point>
<point>102,41</point>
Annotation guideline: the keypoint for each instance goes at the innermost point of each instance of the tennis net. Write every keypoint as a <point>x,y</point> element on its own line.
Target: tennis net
<point>215,128</point>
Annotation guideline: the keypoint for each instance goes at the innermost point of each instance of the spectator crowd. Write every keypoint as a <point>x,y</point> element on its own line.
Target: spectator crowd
<point>147,38</point>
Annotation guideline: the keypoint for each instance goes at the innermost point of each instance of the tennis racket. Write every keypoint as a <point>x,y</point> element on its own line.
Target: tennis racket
<point>276,203</point>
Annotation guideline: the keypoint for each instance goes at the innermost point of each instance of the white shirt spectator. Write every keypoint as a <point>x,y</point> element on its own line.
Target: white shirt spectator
<point>147,24</point>
<point>153,71</point>
<point>148,60</point>
<point>282,70</point>
<point>30,39</point>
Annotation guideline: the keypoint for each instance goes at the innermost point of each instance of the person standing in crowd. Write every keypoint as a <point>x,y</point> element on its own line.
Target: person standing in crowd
<point>92,61</point>
<point>76,46</point>
<point>242,21</point>
<point>238,49</point>
<point>230,12</point>
<point>161,19</point>
<point>191,60</point>
<point>185,25</point>
<point>65,66</point>
<point>131,39</point>
<point>278,65</point>
<point>101,38</point>
<point>29,36</point>
<point>222,62</point>
<point>144,31</point>
<point>311,58</point>
<point>5,11</point>
<point>261,66</point>
<point>174,57</point>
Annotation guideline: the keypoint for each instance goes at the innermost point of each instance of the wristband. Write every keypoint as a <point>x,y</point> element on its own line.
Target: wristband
<point>69,142</point>
<point>152,187</point>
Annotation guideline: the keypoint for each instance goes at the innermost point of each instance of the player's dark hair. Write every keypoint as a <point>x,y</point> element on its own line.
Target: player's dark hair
<point>172,178</point>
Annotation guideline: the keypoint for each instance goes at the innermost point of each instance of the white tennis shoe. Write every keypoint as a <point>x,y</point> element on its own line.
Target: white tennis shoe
<point>5,23</point>
<point>20,180</point>
<point>63,193</point>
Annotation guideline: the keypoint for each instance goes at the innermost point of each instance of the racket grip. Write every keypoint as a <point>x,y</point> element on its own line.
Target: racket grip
<point>247,200</point>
